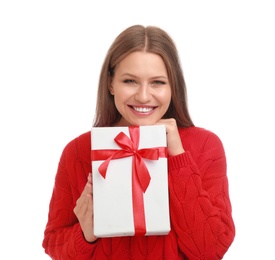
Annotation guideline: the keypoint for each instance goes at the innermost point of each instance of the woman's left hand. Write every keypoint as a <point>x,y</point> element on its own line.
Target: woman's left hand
<point>174,144</point>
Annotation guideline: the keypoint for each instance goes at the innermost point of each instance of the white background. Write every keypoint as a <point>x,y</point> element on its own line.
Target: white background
<point>50,57</point>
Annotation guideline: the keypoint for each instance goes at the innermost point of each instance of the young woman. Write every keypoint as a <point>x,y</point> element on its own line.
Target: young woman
<point>141,83</point>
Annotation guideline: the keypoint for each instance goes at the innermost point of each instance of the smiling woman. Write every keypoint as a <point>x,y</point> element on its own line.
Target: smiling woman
<point>141,83</point>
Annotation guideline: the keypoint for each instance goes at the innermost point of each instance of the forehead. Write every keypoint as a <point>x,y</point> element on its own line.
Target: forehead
<point>141,62</point>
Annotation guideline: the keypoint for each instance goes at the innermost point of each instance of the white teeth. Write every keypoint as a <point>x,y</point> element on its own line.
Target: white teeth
<point>143,109</point>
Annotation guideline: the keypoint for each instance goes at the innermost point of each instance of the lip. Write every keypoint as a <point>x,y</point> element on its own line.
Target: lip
<point>138,111</point>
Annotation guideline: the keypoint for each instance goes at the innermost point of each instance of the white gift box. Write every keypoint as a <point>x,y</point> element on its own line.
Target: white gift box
<point>122,205</point>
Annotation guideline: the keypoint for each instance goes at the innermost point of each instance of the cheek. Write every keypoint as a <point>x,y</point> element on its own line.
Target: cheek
<point>166,98</point>
<point>119,100</point>
<point>123,94</point>
<point>116,100</point>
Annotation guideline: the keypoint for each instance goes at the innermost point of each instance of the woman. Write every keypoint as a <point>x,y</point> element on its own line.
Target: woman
<point>141,83</point>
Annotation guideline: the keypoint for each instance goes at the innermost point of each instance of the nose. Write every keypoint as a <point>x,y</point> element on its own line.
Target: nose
<point>143,93</point>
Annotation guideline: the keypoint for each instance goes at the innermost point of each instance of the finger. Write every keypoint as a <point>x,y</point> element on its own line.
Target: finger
<point>90,208</point>
<point>82,204</point>
<point>90,179</point>
<point>87,190</point>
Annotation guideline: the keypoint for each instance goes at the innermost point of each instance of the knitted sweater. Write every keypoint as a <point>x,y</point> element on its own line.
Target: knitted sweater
<point>200,210</point>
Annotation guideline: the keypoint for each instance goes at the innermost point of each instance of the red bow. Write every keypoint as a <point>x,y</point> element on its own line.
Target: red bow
<point>130,148</point>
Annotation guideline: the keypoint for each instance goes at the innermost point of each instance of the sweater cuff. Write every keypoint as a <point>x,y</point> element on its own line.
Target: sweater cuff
<point>80,241</point>
<point>180,161</point>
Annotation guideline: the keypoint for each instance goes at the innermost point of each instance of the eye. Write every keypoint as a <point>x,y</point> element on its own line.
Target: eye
<point>129,81</point>
<point>158,82</point>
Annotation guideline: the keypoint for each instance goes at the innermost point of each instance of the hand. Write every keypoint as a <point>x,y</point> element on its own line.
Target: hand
<point>174,144</point>
<point>84,211</point>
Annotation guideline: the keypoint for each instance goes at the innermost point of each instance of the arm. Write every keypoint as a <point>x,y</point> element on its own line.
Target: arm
<point>63,237</point>
<point>199,201</point>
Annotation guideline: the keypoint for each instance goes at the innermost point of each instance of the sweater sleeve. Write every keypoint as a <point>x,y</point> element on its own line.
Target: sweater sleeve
<point>199,201</point>
<point>63,238</point>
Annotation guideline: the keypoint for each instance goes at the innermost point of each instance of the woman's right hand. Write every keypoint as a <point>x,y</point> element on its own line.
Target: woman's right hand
<point>84,211</point>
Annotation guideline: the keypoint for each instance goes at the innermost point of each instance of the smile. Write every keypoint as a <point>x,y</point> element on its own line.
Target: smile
<point>143,109</point>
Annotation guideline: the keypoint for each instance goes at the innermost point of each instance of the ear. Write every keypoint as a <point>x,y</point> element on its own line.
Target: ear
<point>110,87</point>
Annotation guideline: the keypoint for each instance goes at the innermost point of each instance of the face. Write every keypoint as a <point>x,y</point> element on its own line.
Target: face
<point>141,89</point>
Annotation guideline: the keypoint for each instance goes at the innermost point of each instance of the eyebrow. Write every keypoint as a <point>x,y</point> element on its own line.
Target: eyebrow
<point>134,76</point>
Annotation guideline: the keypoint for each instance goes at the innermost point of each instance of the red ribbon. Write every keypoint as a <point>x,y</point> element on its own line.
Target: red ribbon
<point>140,174</point>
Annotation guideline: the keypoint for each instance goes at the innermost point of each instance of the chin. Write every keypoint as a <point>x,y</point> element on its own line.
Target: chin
<point>143,123</point>
<point>134,122</point>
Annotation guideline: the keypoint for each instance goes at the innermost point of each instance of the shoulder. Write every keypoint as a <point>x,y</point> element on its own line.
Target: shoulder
<point>198,132</point>
<point>200,138</point>
<point>79,147</point>
<point>79,141</point>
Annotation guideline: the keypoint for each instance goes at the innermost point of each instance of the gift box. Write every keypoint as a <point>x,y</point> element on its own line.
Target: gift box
<point>130,181</point>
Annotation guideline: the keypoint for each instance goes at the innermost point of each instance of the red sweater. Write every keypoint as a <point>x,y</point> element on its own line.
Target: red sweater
<point>200,210</point>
